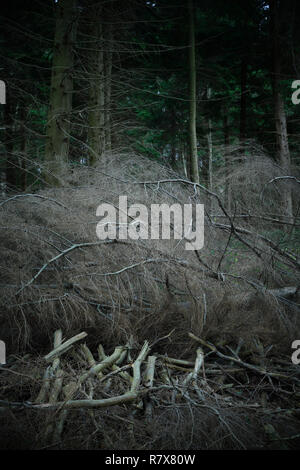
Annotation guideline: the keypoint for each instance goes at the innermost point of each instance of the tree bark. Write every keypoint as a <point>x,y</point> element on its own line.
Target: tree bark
<point>210,147</point>
<point>23,182</point>
<point>226,160</point>
<point>108,84</point>
<point>11,160</point>
<point>58,128</point>
<point>243,102</point>
<point>279,111</point>
<point>96,119</point>
<point>194,170</point>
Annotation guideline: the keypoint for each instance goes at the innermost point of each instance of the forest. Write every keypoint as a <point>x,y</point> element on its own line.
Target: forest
<point>178,331</point>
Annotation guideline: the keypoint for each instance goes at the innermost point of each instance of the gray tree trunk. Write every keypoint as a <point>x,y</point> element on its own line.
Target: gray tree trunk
<point>226,159</point>
<point>108,83</point>
<point>194,170</point>
<point>59,116</point>
<point>243,103</point>
<point>96,116</point>
<point>279,112</point>
<point>10,115</point>
<point>210,147</point>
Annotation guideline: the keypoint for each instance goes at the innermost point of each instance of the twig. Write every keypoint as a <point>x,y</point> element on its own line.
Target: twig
<point>60,255</point>
<point>34,195</point>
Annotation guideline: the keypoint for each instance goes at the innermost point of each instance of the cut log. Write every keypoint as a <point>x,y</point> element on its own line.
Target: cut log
<point>64,347</point>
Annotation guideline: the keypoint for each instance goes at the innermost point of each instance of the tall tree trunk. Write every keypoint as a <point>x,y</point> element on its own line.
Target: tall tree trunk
<point>173,138</point>
<point>58,129</point>
<point>226,160</point>
<point>23,181</point>
<point>96,119</point>
<point>194,170</point>
<point>11,160</point>
<point>279,111</point>
<point>108,84</point>
<point>243,102</point>
<point>210,147</point>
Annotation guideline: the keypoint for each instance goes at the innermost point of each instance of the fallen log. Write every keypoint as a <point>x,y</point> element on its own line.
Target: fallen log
<point>62,348</point>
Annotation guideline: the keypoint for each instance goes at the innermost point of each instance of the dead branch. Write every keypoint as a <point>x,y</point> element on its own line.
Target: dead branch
<point>239,361</point>
<point>64,346</point>
<point>60,255</point>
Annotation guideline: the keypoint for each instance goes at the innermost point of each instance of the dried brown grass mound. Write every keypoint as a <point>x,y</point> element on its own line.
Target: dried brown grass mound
<point>55,272</point>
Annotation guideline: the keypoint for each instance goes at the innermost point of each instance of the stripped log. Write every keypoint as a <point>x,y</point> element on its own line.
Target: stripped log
<point>198,363</point>
<point>103,403</point>
<point>88,355</point>
<point>43,394</point>
<point>149,375</point>
<point>127,397</point>
<point>58,351</point>
<point>101,353</point>
<point>115,368</point>
<point>107,362</point>
<point>179,362</point>
<point>56,387</point>
<point>58,375</point>
<point>50,371</point>
<point>137,367</point>
<point>148,382</point>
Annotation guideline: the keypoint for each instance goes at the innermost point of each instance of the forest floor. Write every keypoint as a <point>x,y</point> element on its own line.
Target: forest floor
<point>142,344</point>
<point>76,400</point>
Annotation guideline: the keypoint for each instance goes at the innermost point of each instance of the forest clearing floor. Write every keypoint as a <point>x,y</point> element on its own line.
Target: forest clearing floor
<point>155,346</point>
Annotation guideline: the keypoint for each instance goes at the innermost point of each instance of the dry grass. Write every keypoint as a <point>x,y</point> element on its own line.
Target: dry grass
<point>83,289</point>
<point>119,292</point>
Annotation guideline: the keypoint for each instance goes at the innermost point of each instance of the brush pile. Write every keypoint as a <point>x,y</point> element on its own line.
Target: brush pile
<point>125,398</point>
<point>209,330</point>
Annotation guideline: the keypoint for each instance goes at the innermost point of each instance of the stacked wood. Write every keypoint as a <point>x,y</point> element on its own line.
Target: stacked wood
<point>140,382</point>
